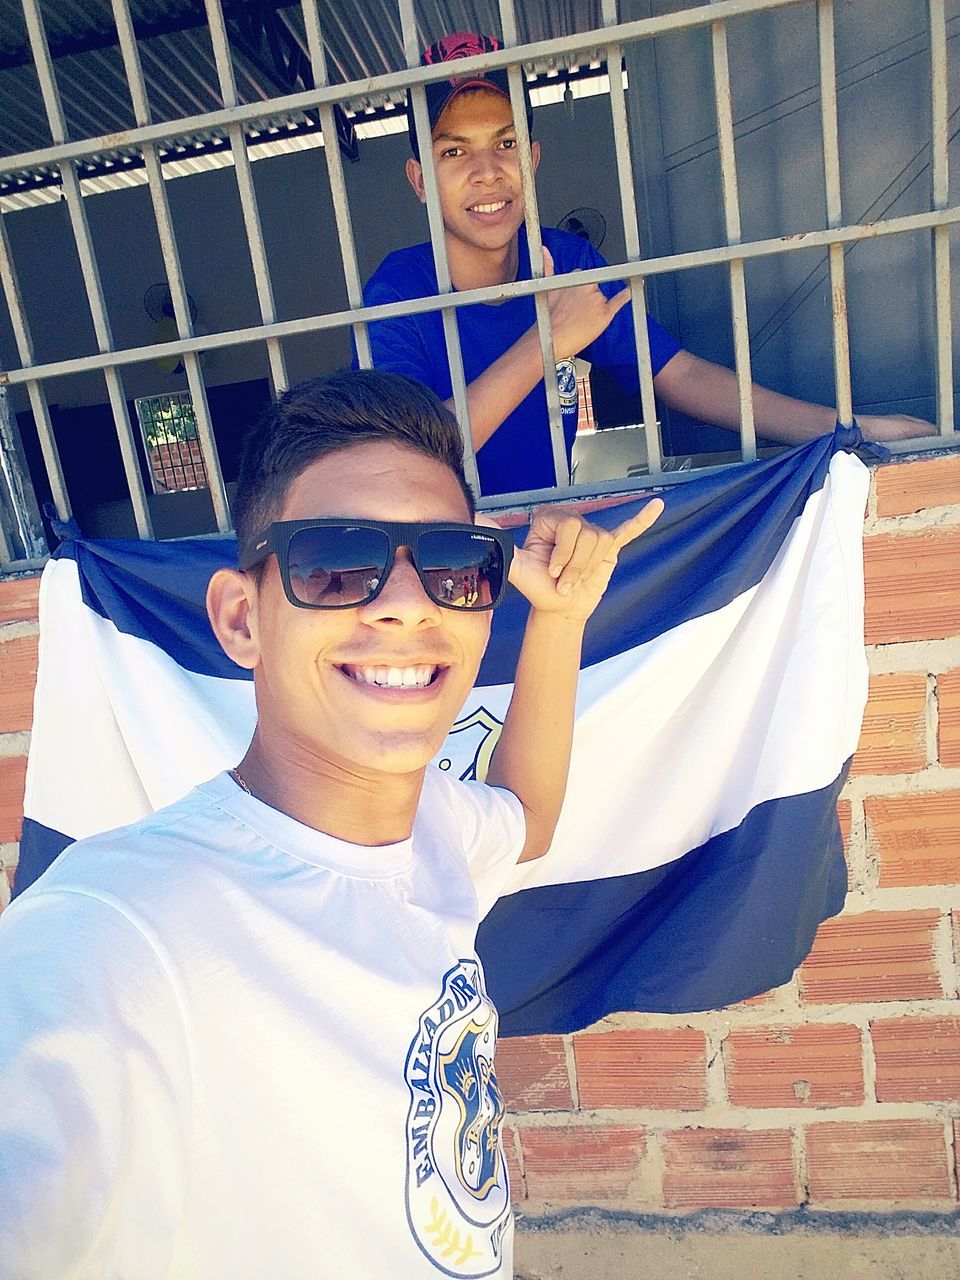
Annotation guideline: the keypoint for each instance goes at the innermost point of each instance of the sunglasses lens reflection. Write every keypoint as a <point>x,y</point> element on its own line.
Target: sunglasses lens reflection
<point>461,568</point>
<point>336,566</point>
<point>331,565</point>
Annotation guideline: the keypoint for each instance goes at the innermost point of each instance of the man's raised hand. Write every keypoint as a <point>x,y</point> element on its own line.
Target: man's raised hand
<point>566,563</point>
<point>580,313</point>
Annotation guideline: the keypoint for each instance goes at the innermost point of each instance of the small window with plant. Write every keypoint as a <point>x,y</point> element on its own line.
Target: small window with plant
<point>169,426</point>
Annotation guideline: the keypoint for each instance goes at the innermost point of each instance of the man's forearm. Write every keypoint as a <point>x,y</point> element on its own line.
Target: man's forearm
<point>532,758</point>
<point>494,395</point>
<point>709,392</point>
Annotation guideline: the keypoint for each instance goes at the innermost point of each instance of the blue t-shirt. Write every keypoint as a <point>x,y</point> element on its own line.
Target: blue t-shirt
<point>518,455</point>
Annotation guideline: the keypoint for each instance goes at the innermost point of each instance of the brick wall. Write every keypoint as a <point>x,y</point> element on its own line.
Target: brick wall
<point>18,673</point>
<point>840,1089</point>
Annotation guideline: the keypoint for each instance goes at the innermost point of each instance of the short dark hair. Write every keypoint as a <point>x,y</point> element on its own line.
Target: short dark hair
<point>334,412</point>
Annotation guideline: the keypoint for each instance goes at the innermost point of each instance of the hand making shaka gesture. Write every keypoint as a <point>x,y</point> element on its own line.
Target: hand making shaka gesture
<point>566,562</point>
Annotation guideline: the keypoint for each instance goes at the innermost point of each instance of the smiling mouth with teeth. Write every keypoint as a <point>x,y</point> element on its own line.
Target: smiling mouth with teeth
<point>495,207</point>
<point>393,677</point>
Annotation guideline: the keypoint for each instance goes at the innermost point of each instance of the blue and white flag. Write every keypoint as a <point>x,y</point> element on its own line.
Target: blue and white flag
<point>720,701</point>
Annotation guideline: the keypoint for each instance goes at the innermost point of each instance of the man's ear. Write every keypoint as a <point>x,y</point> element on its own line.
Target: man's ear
<point>415,178</point>
<point>232,599</point>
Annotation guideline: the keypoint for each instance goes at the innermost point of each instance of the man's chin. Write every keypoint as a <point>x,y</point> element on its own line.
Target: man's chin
<point>404,756</point>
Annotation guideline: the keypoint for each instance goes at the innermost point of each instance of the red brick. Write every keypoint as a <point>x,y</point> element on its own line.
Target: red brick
<point>877,1160</point>
<point>912,585</point>
<point>845,816</point>
<point>18,678</point>
<point>893,737</point>
<point>19,599</point>
<point>878,955</point>
<point>906,487</point>
<point>814,1066</point>
<point>532,1073</point>
<point>918,1059</point>
<point>917,837</point>
<point>728,1168</point>
<point>582,1164</point>
<point>948,715</point>
<point>13,772</point>
<point>649,1068</point>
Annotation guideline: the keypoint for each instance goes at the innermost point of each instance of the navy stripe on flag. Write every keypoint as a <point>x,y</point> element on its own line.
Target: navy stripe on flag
<point>724,922</point>
<point>717,538</point>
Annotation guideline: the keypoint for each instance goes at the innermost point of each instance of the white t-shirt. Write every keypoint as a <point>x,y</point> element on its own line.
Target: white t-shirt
<point>232,1046</point>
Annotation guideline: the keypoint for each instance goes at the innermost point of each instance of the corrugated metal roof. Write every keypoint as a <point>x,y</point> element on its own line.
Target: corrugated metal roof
<point>268,47</point>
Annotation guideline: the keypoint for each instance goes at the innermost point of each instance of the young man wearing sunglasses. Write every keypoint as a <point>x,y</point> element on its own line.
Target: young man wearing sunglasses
<point>474,148</point>
<point>249,1036</point>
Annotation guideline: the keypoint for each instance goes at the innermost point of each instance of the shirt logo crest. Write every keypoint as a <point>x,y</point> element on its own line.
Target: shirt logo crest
<point>458,1201</point>
<point>567,383</point>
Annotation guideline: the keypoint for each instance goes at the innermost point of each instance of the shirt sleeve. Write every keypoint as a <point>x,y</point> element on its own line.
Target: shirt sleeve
<point>616,349</point>
<point>396,345</point>
<point>94,1073</point>
<point>492,830</point>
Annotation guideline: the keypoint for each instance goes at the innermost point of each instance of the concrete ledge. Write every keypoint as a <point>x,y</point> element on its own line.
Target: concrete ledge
<point>716,1244</point>
<point>715,1222</point>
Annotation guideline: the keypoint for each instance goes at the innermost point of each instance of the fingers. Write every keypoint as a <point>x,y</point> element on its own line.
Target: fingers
<point>640,523</point>
<point>596,547</point>
<point>618,301</point>
<point>589,550</point>
<point>548,267</point>
<point>566,531</point>
<point>579,550</point>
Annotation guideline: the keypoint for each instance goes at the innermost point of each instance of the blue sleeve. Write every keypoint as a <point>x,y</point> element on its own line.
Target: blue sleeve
<point>396,345</point>
<point>615,349</point>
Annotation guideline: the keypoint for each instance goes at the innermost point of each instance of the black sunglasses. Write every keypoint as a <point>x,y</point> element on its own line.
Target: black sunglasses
<point>336,563</point>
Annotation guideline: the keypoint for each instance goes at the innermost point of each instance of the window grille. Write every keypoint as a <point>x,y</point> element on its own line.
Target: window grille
<point>154,142</point>
<point>172,442</point>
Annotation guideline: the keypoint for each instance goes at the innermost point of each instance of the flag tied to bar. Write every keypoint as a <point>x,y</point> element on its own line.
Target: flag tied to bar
<point>721,696</point>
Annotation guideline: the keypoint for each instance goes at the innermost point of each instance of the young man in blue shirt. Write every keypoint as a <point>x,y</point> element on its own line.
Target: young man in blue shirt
<point>478,173</point>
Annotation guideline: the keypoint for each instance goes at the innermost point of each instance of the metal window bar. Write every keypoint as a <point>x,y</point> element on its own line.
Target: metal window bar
<point>248,195</point>
<point>88,266</point>
<point>722,254</point>
<point>38,404</point>
<point>171,263</point>
<point>531,217</point>
<point>145,135</point>
<point>631,237</point>
<point>418,101</point>
<point>731,212</point>
<point>831,172</point>
<point>19,514</point>
<point>940,194</point>
<point>338,187</point>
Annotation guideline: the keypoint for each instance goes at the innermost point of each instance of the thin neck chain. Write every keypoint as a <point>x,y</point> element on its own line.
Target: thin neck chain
<point>235,775</point>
